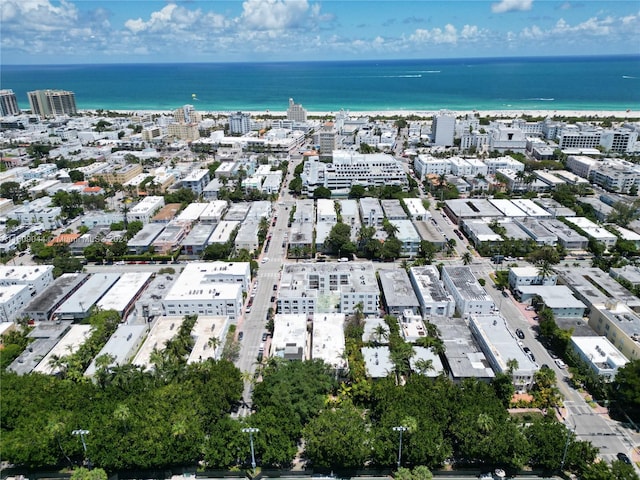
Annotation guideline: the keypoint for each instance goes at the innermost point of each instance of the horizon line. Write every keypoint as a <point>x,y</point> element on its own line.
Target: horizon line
<point>258,62</point>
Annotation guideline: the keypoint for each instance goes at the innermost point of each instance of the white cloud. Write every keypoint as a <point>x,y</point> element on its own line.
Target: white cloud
<point>275,14</point>
<point>511,6</point>
<point>447,35</point>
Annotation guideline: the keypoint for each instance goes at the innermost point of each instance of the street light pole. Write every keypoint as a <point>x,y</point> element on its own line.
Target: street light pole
<point>566,447</point>
<point>251,431</point>
<point>399,430</point>
<point>82,434</point>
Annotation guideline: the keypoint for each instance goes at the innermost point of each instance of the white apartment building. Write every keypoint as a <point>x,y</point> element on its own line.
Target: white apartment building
<point>502,138</point>
<point>503,163</point>
<point>239,123</point>
<point>214,211</point>
<point>427,165</point>
<point>319,287</point>
<point>352,168</point>
<point>621,140</point>
<point>196,180</point>
<point>470,297</point>
<point>415,207</point>
<point>526,276</point>
<point>581,165</point>
<point>13,298</point>
<point>328,339</point>
<point>467,167</point>
<point>574,136</point>
<point>219,300</point>
<point>594,231</point>
<point>443,128</point>
<point>600,354</point>
<point>290,338</point>
<point>499,346</point>
<point>434,300</point>
<point>145,209</point>
<point>38,211</point>
<point>35,277</point>
<point>371,212</point>
<point>615,178</point>
<point>326,211</point>
<point>223,231</point>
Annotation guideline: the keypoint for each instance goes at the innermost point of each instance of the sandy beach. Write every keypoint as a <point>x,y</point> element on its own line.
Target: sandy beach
<point>427,114</point>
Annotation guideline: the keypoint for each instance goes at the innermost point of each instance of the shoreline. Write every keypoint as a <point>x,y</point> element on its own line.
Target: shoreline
<point>506,113</point>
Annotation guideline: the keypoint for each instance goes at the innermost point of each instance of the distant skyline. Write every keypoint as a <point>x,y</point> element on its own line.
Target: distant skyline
<point>149,31</point>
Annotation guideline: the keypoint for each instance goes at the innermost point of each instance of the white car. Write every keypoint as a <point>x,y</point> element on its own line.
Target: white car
<point>529,308</point>
<point>560,363</point>
<point>264,260</point>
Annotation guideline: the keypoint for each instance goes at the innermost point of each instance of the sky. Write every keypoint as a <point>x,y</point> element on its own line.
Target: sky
<point>150,31</point>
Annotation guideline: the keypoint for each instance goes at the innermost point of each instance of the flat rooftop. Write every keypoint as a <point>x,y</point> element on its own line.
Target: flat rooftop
<point>88,294</point>
<point>328,339</point>
<point>554,296</point>
<point>124,290</point>
<point>10,274</point>
<point>397,288</point>
<point>377,361</point>
<point>68,345</point>
<point>163,330</point>
<point>466,283</point>
<point>121,345</point>
<point>595,287</point>
<point>46,336</point>
<point>464,357</point>
<point>54,293</point>
<point>203,331</point>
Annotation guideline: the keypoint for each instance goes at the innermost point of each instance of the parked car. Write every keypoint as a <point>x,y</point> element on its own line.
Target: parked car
<point>560,363</point>
<point>520,334</point>
<point>624,458</point>
<point>240,335</point>
<point>505,293</point>
<point>530,308</point>
<point>264,336</point>
<point>526,350</point>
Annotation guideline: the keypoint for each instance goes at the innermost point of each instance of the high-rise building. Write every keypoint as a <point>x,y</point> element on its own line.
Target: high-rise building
<point>187,114</point>
<point>51,103</point>
<point>8,103</point>
<point>295,112</point>
<point>327,140</point>
<point>443,128</point>
<point>240,123</point>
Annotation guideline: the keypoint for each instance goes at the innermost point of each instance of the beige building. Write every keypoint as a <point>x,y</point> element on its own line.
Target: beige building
<point>121,175</point>
<point>620,325</point>
<point>184,131</point>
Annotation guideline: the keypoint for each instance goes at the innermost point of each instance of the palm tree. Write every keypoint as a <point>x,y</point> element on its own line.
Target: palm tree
<point>424,366</point>
<point>122,414</point>
<point>512,366</point>
<point>485,422</point>
<point>380,332</point>
<point>544,270</point>
<point>467,258</point>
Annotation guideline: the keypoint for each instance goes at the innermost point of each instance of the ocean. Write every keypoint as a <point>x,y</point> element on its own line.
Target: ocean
<point>533,83</point>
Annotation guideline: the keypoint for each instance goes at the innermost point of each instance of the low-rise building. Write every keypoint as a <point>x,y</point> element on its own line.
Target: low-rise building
<point>13,298</point>
<point>121,346</point>
<point>290,338</point>
<point>500,346</point>
<point>35,277</point>
<point>143,240</point>
<point>197,239</point>
<point>42,307</point>
<point>328,339</point>
<point>525,276</point>
<point>594,231</point>
<point>600,354</point>
<point>621,325</point>
<point>318,287</point>
<point>147,208</point>
<point>122,296</point>
<point>398,292</point>
<point>432,296</point>
<point>556,297</point>
<point>209,334</point>
<point>70,343</point>
<point>470,297</point>
<point>463,358</point>
<point>164,329</point>
<point>79,305</point>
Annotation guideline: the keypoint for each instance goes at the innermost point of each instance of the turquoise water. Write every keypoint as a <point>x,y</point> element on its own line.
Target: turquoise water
<point>576,83</point>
